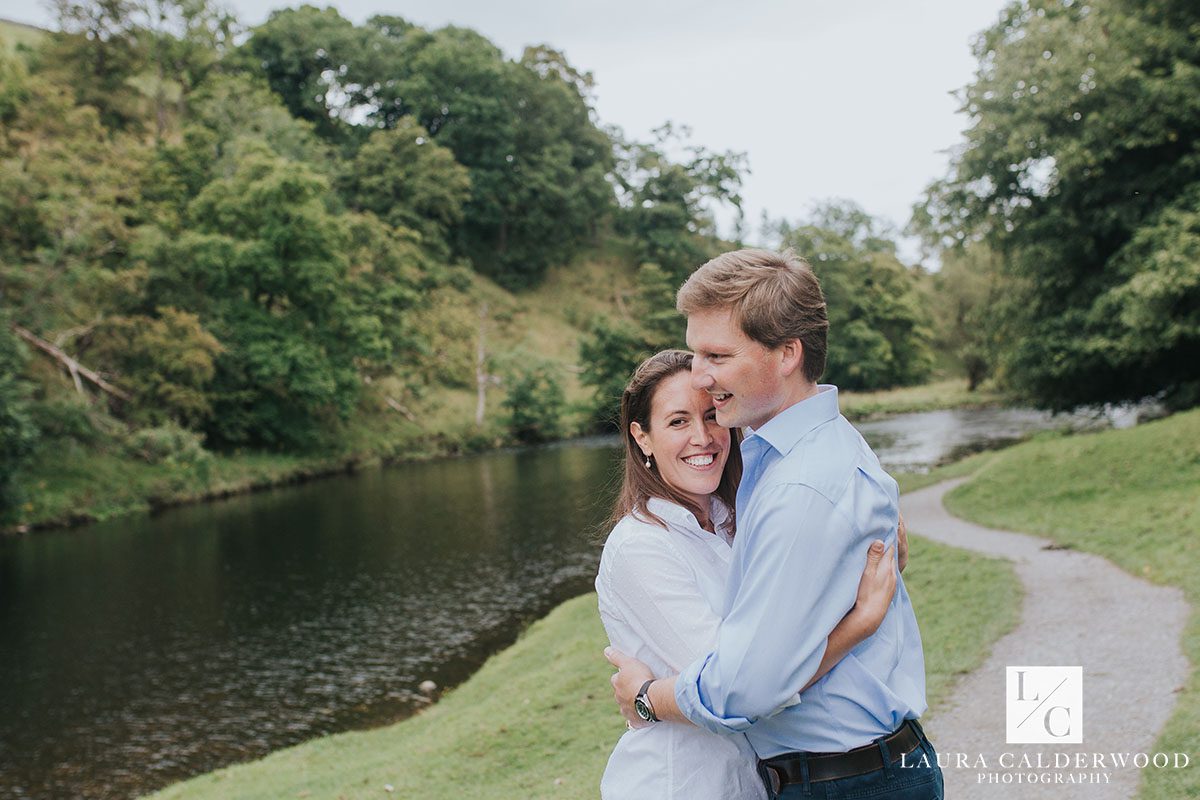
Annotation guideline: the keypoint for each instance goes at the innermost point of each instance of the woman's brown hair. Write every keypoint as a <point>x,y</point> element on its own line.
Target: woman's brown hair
<point>639,483</point>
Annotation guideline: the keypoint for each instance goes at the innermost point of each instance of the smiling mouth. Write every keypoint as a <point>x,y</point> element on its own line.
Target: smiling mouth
<point>720,397</point>
<point>702,460</point>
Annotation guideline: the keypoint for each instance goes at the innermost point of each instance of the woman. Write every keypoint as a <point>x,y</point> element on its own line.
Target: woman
<point>662,577</point>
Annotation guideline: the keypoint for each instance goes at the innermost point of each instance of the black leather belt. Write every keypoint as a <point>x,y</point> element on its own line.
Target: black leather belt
<point>788,768</point>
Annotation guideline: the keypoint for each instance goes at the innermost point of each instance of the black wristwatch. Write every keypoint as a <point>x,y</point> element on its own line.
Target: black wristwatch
<point>642,705</point>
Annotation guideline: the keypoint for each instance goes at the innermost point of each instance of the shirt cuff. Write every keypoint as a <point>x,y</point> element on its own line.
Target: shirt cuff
<point>692,704</point>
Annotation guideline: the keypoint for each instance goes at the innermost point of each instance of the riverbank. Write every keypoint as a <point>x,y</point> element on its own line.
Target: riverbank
<point>537,721</point>
<point>76,484</point>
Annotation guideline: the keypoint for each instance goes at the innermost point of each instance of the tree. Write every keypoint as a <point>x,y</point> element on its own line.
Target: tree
<point>167,360</point>
<point>71,206</point>
<point>96,51</point>
<point>613,347</point>
<point>408,180</point>
<point>1080,159</point>
<point>524,131</point>
<point>183,40</point>
<point>263,264</point>
<point>968,309</point>
<point>17,431</point>
<point>535,404</point>
<point>878,334</point>
<point>666,203</point>
<point>306,54</point>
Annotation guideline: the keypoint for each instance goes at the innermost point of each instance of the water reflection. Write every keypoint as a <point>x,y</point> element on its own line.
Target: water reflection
<point>919,442</point>
<point>140,652</point>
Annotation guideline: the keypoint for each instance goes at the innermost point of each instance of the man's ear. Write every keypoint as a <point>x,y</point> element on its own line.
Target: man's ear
<point>791,357</point>
<point>641,437</point>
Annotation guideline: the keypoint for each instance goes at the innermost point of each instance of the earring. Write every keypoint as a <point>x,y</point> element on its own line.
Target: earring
<point>647,462</point>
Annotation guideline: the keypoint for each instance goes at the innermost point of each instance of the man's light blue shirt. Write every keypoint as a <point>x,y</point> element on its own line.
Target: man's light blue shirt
<point>812,499</point>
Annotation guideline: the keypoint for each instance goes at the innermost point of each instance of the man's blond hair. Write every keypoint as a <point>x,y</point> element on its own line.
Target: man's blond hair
<point>773,297</point>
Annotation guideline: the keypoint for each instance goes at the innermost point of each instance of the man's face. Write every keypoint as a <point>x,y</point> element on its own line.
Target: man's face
<point>745,378</point>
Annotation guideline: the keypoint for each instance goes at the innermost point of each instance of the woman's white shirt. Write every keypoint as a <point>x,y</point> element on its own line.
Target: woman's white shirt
<point>661,595</point>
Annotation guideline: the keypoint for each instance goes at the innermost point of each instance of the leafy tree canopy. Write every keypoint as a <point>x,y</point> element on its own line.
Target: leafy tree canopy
<point>1080,168</point>
<point>878,332</point>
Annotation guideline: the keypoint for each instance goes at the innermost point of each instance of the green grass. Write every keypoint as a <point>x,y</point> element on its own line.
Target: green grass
<point>946,393</point>
<point>14,35</point>
<point>964,602</point>
<point>537,721</point>
<point>1131,496</point>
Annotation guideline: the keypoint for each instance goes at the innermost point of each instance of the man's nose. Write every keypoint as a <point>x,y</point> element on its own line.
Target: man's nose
<point>700,378</point>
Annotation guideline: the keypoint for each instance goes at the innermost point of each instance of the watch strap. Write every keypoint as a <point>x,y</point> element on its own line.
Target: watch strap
<point>644,695</point>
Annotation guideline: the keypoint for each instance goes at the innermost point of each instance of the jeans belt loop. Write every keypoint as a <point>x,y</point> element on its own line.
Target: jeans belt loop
<point>887,759</point>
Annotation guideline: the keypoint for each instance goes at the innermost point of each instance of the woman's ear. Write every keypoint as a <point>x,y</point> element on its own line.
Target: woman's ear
<point>642,438</point>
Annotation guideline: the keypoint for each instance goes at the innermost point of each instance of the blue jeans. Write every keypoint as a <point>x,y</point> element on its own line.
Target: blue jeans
<point>917,777</point>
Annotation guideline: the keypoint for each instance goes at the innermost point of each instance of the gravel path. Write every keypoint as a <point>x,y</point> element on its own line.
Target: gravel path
<point>1079,609</point>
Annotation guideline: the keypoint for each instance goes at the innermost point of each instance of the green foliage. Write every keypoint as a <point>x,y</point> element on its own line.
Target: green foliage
<point>304,54</point>
<point>524,130</point>
<point>963,299</point>
<point>665,203</point>
<point>1082,142</point>
<point>878,336</point>
<point>240,108</point>
<point>167,361</point>
<point>168,444</point>
<point>96,52</point>
<point>612,347</point>
<point>17,431</point>
<point>263,264</point>
<point>65,420</point>
<point>409,181</point>
<point>535,403</point>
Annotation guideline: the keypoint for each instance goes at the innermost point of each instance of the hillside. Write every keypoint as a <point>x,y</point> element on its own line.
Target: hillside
<point>15,34</point>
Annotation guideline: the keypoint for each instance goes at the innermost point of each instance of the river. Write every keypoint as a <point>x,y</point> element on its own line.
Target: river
<point>149,649</point>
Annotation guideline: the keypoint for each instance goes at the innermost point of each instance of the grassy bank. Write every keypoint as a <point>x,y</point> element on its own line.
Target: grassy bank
<point>1131,496</point>
<point>537,721</point>
<point>942,394</point>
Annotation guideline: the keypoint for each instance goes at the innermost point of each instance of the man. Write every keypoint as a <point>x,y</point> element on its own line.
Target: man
<point>812,497</point>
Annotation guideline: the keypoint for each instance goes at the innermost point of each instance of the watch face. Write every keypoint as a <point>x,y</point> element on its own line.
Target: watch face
<point>642,709</point>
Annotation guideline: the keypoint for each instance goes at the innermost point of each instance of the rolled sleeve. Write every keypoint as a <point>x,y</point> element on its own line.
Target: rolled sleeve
<point>799,577</point>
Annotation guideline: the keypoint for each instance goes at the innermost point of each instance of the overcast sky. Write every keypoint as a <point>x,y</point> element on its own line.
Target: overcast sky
<point>830,100</point>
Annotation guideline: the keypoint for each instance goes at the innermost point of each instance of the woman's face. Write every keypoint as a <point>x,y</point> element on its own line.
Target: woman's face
<point>688,446</point>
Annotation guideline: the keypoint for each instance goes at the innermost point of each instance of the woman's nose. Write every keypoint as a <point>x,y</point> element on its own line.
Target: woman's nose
<point>700,432</point>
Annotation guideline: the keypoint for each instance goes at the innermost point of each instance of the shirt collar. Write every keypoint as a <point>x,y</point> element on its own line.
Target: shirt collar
<point>672,513</point>
<point>784,430</point>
